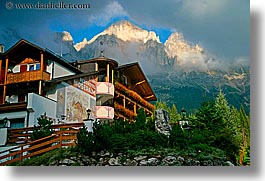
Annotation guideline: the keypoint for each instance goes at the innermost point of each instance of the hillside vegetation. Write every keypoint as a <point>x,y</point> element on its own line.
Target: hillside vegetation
<point>218,133</point>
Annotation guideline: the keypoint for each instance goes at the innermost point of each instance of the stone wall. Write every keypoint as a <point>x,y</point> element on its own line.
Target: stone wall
<point>119,159</point>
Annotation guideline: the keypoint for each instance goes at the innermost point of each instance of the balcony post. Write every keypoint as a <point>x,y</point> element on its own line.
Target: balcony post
<point>96,66</point>
<point>0,68</point>
<point>107,78</point>
<point>112,76</point>
<point>124,101</point>
<point>41,70</point>
<point>5,80</point>
<point>96,69</point>
<point>134,108</point>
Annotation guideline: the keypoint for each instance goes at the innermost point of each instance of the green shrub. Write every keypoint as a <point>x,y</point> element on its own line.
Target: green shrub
<point>85,141</point>
<point>177,137</point>
<point>145,139</point>
<point>140,120</point>
<point>102,134</point>
<point>43,129</point>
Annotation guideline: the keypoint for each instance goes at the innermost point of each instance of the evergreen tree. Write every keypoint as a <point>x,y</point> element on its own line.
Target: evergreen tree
<point>140,120</point>
<point>245,137</point>
<point>174,115</point>
<point>177,137</point>
<point>43,129</point>
<point>162,105</point>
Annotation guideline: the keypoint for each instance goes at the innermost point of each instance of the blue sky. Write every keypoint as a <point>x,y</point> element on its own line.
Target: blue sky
<point>222,27</point>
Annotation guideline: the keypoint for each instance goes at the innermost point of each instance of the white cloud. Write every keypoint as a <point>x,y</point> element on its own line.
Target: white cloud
<point>111,11</point>
<point>202,8</point>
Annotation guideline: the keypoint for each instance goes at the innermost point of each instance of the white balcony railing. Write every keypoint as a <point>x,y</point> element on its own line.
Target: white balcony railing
<point>105,88</point>
<point>104,112</point>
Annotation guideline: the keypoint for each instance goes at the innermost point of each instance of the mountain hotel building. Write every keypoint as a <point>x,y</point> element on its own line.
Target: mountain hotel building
<point>34,81</point>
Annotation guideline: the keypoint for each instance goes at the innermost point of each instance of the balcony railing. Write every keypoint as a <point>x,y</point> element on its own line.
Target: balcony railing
<point>105,88</point>
<point>134,96</point>
<point>124,111</point>
<point>104,112</point>
<point>27,76</point>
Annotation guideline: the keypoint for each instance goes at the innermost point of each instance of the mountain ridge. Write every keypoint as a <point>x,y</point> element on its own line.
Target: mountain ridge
<point>179,72</point>
<point>124,30</point>
<point>127,42</point>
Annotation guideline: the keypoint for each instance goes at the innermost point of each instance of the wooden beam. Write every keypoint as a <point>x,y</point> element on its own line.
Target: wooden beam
<point>130,100</point>
<point>107,78</point>
<point>112,76</point>
<point>96,66</point>
<point>41,61</point>
<point>6,70</point>
<point>96,69</point>
<point>0,68</point>
<point>5,80</point>
<point>41,69</point>
<point>124,104</point>
<point>140,82</point>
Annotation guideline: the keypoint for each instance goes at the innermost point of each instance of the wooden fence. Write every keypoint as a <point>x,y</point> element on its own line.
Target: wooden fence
<point>22,135</point>
<point>64,135</point>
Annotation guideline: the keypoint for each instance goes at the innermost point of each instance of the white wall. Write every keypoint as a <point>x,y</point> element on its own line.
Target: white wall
<point>52,93</point>
<point>66,97</point>
<point>38,105</point>
<point>16,69</point>
<point>15,115</point>
<point>59,70</point>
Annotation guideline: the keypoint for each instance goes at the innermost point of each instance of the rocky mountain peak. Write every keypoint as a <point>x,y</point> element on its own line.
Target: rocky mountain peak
<point>125,31</point>
<point>177,46</point>
<point>66,36</point>
<point>81,44</point>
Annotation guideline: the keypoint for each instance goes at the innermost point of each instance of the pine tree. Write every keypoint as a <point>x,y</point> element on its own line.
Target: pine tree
<point>140,120</point>
<point>174,115</point>
<point>43,129</point>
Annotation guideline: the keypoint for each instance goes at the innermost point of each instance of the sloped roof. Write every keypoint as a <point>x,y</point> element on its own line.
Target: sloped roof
<point>113,62</point>
<point>140,82</point>
<point>23,48</point>
<point>71,77</point>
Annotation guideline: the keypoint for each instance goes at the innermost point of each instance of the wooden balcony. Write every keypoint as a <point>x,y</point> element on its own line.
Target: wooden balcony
<point>121,89</point>
<point>104,112</point>
<point>27,76</point>
<point>119,109</point>
<point>13,107</point>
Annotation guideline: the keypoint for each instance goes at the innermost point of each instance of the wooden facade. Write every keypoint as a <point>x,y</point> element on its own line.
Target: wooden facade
<point>132,90</point>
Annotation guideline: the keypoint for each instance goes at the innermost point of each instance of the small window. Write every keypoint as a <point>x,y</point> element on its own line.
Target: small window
<point>125,81</point>
<point>31,67</point>
<point>38,66</point>
<point>23,68</point>
<point>17,123</point>
<point>1,123</point>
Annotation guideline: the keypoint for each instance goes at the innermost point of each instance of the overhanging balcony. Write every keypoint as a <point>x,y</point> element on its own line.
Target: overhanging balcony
<point>121,89</point>
<point>105,88</point>
<point>27,76</point>
<point>104,112</point>
<point>120,110</point>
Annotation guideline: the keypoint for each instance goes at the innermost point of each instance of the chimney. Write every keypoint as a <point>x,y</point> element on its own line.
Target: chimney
<point>2,48</point>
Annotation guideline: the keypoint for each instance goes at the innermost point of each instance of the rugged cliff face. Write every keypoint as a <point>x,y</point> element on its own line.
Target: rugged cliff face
<point>177,69</point>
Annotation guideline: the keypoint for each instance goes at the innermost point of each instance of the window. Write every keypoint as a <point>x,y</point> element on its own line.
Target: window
<point>1,123</point>
<point>124,81</point>
<point>31,67</point>
<point>17,123</point>
<point>37,66</point>
<point>23,68</point>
